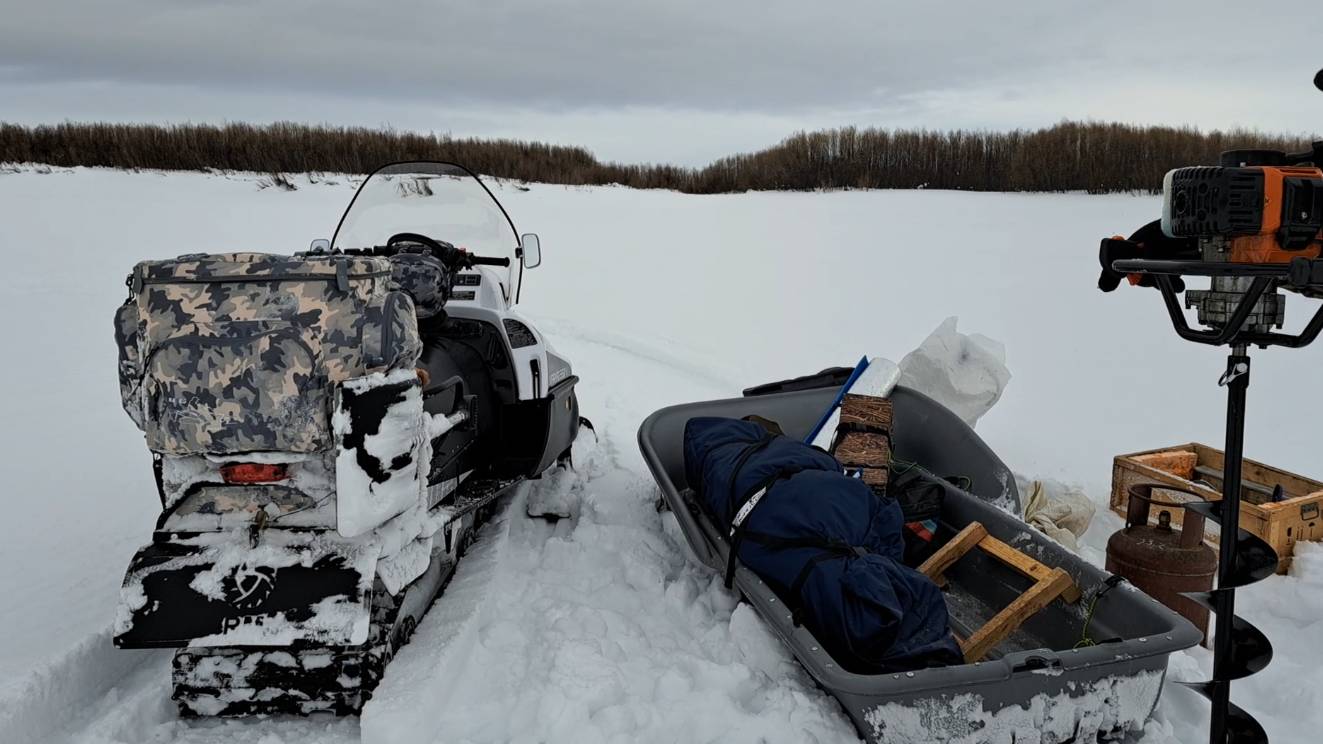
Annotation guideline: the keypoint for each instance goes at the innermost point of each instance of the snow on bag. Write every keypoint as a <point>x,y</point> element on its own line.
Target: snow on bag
<point>381,430</point>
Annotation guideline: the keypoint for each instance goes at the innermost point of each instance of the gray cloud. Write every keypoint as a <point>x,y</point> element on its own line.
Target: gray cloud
<point>505,66</point>
<point>735,54</point>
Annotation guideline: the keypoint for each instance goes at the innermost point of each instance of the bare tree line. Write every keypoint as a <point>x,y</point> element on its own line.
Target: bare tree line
<point>1071,156</point>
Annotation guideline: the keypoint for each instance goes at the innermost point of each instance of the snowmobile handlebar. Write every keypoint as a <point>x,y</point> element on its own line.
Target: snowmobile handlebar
<point>446,252</point>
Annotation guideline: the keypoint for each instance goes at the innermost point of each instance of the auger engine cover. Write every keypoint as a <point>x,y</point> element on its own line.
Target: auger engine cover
<point>1266,213</point>
<point>1253,225</point>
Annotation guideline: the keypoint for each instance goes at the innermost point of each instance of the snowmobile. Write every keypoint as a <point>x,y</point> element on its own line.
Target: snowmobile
<point>329,431</point>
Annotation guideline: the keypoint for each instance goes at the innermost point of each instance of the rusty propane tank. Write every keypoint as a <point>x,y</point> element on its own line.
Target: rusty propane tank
<point>1160,561</point>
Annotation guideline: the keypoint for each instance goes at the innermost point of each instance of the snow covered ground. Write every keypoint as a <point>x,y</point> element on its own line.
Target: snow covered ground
<point>597,628</point>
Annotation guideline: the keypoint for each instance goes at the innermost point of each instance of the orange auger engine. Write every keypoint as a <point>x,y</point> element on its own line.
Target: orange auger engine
<point>1256,216</point>
<point>1261,209</point>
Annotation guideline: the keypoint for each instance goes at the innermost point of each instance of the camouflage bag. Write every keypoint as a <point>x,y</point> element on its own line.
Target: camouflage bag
<point>424,277</point>
<point>241,352</point>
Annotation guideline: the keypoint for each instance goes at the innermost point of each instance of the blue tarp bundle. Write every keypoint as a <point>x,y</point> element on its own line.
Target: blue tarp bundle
<point>824,542</point>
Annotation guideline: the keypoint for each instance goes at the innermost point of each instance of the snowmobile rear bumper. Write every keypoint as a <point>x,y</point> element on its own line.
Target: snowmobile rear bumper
<point>226,593</point>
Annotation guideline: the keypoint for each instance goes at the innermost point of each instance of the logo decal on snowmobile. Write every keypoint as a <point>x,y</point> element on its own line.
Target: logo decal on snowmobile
<point>250,586</point>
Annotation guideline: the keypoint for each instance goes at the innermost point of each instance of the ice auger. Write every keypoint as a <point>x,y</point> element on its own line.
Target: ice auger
<point>1254,226</point>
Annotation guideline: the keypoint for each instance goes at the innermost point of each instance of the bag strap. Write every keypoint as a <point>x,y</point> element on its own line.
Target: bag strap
<point>735,505</point>
<point>747,503</point>
<point>831,550</point>
<point>797,586</point>
<point>749,451</point>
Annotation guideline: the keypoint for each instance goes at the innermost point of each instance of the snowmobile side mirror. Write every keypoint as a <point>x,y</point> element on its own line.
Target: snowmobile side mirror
<point>531,250</point>
<point>320,245</point>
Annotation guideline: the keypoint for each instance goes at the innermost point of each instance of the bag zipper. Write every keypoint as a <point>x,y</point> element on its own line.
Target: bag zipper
<point>388,312</point>
<point>218,340</point>
<point>255,278</point>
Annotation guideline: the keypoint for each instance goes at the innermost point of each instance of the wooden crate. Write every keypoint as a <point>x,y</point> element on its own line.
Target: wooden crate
<point>1198,467</point>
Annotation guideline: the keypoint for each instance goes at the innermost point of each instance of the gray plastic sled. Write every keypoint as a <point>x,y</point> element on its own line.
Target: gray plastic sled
<point>1044,684</point>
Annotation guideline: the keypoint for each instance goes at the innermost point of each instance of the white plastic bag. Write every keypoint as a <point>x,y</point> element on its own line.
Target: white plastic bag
<point>964,372</point>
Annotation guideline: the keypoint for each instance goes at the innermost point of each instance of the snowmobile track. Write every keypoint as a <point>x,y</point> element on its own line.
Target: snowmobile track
<point>125,697</point>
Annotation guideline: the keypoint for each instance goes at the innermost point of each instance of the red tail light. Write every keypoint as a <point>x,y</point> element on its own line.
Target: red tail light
<point>253,472</point>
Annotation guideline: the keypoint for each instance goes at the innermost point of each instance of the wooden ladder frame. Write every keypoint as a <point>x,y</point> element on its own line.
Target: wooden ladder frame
<point>1049,583</point>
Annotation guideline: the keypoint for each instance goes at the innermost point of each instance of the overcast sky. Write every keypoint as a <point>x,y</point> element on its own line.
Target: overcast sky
<point>681,81</point>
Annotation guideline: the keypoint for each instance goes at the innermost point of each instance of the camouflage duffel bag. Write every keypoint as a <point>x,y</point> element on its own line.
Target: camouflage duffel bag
<point>425,278</point>
<point>240,352</point>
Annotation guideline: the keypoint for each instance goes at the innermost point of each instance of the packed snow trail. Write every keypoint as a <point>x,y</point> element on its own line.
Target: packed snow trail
<point>598,629</point>
<point>88,686</point>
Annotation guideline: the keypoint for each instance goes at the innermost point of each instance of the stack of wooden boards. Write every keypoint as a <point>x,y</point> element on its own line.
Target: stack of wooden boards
<point>863,438</point>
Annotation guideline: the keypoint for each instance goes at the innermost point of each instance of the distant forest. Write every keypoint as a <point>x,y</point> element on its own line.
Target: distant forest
<point>1093,157</point>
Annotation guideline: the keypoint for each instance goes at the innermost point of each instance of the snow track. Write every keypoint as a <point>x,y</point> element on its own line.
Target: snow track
<point>424,671</point>
<point>93,688</point>
<point>595,627</point>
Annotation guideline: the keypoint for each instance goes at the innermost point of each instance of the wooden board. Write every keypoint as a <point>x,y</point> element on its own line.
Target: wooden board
<point>1180,463</point>
<point>1027,566</point>
<point>954,548</point>
<point>1048,584</point>
<point>993,632</point>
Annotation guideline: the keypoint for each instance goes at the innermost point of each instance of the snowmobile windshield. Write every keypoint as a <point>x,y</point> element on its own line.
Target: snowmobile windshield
<point>443,201</point>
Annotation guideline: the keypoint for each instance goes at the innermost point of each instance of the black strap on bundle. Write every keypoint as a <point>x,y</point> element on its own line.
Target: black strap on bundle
<point>831,550</point>
<point>753,495</point>
<point>740,514</point>
<point>735,504</point>
<point>749,451</point>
